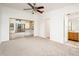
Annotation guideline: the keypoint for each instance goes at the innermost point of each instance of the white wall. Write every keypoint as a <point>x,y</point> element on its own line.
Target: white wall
<point>36,28</point>
<point>14,13</point>
<point>42,28</point>
<point>0,26</point>
<point>56,26</point>
<point>47,28</point>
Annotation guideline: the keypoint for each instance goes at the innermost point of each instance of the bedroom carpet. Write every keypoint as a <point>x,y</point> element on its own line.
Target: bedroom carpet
<point>36,46</point>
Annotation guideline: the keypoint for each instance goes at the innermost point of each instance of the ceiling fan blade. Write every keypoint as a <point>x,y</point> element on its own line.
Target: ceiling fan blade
<point>41,7</point>
<point>40,11</point>
<point>31,5</point>
<point>28,9</point>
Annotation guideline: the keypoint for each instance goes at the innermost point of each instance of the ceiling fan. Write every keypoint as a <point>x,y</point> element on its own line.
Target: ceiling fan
<point>34,8</point>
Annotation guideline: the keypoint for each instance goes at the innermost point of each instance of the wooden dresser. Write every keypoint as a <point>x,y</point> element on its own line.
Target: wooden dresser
<point>73,36</point>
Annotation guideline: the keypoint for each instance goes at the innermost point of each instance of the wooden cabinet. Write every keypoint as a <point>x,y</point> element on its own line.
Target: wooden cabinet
<point>78,37</point>
<point>73,36</point>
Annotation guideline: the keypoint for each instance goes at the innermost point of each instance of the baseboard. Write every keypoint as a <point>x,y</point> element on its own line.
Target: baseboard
<point>40,37</point>
<point>3,41</point>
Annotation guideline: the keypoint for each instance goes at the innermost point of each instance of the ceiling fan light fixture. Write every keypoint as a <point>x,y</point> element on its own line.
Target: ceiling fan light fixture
<point>32,12</point>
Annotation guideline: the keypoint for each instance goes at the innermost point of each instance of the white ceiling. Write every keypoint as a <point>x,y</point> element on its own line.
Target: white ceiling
<point>48,6</point>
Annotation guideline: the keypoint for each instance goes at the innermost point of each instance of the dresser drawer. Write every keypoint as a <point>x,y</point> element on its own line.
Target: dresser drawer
<point>73,36</point>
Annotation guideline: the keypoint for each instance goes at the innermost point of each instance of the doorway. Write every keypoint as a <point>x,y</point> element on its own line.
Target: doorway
<point>73,29</point>
<point>19,28</point>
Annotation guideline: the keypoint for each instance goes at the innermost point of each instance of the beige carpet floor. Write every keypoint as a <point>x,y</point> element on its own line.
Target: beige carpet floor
<point>31,46</point>
<point>73,43</point>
